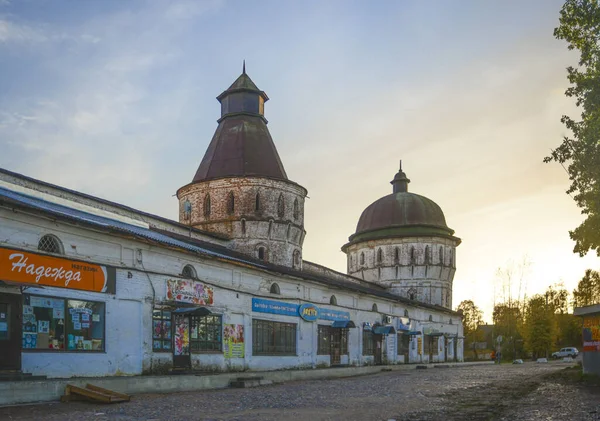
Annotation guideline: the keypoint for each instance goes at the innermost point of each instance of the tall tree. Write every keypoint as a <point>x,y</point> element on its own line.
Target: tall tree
<point>588,289</point>
<point>580,28</point>
<point>472,318</point>
<point>507,324</point>
<point>539,328</point>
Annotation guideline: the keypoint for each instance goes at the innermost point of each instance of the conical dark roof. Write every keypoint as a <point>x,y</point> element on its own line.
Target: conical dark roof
<point>241,146</point>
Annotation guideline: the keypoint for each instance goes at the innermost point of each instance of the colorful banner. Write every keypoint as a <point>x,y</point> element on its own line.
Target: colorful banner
<point>334,315</point>
<point>36,269</point>
<point>591,334</point>
<point>233,341</point>
<point>188,291</point>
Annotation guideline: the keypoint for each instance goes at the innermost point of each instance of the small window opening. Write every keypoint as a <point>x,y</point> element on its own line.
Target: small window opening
<point>231,203</point>
<point>296,209</point>
<point>50,244</point>
<point>243,226</point>
<point>374,308</point>
<point>257,202</point>
<point>188,272</point>
<point>333,300</point>
<point>426,255</point>
<point>405,313</point>
<point>412,255</point>
<point>207,205</point>
<point>379,256</point>
<point>441,256</point>
<point>280,206</point>
<point>397,256</point>
<point>362,258</point>
<point>430,318</point>
<point>274,289</point>
<point>261,253</point>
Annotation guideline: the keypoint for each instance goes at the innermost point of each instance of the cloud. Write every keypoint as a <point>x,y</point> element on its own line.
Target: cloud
<point>15,32</point>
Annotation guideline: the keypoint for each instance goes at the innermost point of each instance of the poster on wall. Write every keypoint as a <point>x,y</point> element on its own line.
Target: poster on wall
<point>419,345</point>
<point>591,334</point>
<point>187,291</point>
<point>233,341</point>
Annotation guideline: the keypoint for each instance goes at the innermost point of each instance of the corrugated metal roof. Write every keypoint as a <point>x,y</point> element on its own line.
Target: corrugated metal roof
<point>104,222</point>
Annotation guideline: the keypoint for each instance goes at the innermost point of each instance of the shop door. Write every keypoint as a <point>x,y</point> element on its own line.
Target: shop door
<point>378,347</point>
<point>10,332</point>
<point>454,344</point>
<point>336,346</point>
<point>432,344</point>
<point>446,349</point>
<point>181,341</point>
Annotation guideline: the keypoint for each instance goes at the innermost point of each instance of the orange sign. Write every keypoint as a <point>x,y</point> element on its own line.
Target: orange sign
<point>29,268</point>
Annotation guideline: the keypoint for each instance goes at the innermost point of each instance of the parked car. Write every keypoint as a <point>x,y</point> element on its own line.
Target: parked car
<point>566,352</point>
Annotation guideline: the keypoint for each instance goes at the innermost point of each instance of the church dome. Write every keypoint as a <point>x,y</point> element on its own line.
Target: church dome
<point>401,214</point>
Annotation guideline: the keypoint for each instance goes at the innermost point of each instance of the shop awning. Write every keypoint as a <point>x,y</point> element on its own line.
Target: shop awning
<point>193,311</point>
<point>413,333</point>
<point>435,334</point>
<point>344,324</point>
<point>383,330</point>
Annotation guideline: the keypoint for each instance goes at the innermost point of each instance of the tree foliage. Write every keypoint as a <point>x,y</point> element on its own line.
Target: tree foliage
<point>580,28</point>
<point>540,326</point>
<point>472,317</point>
<point>588,289</point>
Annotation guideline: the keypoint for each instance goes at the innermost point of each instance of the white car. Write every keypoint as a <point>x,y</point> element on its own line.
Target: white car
<point>566,352</point>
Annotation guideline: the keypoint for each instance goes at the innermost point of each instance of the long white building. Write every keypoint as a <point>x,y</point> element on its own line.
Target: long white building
<point>94,288</point>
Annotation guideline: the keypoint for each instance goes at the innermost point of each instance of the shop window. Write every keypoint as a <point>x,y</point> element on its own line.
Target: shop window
<point>329,337</point>
<point>403,343</point>
<point>161,330</point>
<point>368,343</point>
<point>374,308</point>
<point>205,333</point>
<point>275,289</point>
<point>273,338</point>
<point>50,244</point>
<point>57,324</point>
<point>280,206</point>
<point>230,203</point>
<point>427,344</point>
<point>333,300</point>
<point>189,272</point>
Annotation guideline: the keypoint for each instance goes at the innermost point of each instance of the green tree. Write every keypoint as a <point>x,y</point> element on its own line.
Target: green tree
<point>580,28</point>
<point>472,318</point>
<point>588,290</point>
<point>539,328</point>
<point>507,324</point>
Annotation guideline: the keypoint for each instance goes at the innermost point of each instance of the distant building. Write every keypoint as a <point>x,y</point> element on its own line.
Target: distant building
<point>90,287</point>
<point>591,338</point>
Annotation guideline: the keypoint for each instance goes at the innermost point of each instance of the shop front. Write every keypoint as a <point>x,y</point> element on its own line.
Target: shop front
<point>184,325</point>
<point>46,320</point>
<point>403,337</point>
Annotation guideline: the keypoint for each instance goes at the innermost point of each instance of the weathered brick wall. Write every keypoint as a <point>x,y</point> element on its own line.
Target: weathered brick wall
<point>275,223</point>
<point>421,267</point>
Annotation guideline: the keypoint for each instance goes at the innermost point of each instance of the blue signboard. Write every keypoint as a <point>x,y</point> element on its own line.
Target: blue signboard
<point>309,312</point>
<point>334,315</point>
<point>274,307</point>
<point>306,311</point>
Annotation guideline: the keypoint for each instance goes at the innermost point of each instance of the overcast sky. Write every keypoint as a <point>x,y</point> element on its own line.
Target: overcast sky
<point>117,99</point>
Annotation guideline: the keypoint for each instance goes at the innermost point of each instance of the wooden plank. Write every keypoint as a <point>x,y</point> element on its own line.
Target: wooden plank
<point>98,396</point>
<point>108,392</point>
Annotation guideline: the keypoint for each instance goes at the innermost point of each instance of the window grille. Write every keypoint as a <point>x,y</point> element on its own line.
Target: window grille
<point>50,244</point>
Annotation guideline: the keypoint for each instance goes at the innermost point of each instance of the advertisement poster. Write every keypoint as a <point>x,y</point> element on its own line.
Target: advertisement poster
<point>233,341</point>
<point>187,291</point>
<point>591,334</point>
<point>419,345</point>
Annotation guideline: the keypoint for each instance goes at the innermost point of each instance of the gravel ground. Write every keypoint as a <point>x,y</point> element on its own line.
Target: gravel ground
<point>489,392</point>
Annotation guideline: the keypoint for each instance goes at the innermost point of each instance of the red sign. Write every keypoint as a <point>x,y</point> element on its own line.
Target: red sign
<point>36,269</point>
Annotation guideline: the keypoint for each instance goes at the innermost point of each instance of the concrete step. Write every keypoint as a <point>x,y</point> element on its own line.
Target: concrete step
<point>7,376</point>
<point>249,383</point>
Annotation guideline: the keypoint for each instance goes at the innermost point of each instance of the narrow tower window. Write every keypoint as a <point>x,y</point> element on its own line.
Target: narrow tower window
<point>261,253</point>
<point>207,205</point>
<point>374,308</point>
<point>397,256</point>
<point>426,255</point>
<point>362,258</point>
<point>297,258</point>
<point>231,203</point>
<point>441,256</point>
<point>243,226</point>
<point>296,209</point>
<point>412,255</point>
<point>257,202</point>
<point>451,258</point>
<point>280,206</point>
<point>379,256</point>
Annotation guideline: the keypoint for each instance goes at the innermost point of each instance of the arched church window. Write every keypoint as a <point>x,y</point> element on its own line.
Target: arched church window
<point>379,256</point>
<point>187,210</point>
<point>296,209</point>
<point>50,244</point>
<point>230,203</point>
<point>257,202</point>
<point>280,206</point>
<point>333,300</point>
<point>207,205</point>
<point>374,308</point>
<point>362,258</point>
<point>275,289</point>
